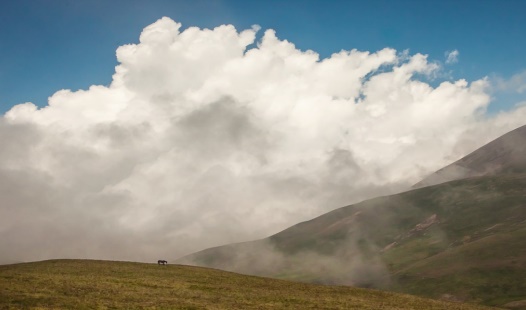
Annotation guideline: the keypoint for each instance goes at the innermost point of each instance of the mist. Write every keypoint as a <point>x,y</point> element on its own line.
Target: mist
<point>209,136</point>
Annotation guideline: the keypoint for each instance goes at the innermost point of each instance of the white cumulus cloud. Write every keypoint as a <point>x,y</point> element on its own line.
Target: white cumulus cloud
<point>201,141</point>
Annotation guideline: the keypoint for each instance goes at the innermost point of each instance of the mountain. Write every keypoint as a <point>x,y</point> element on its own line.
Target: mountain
<point>459,240</point>
<point>89,284</point>
<point>506,154</point>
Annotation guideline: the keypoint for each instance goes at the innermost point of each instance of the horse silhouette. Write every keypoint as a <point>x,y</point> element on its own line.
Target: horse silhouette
<point>162,262</point>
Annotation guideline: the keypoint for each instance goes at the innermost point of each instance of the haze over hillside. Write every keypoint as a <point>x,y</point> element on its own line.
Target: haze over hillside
<point>462,239</point>
<point>507,154</point>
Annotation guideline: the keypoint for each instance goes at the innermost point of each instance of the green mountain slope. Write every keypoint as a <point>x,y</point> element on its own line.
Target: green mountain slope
<point>85,284</point>
<point>461,240</point>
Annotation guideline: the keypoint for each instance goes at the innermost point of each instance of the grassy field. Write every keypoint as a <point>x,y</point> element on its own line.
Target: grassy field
<point>89,284</point>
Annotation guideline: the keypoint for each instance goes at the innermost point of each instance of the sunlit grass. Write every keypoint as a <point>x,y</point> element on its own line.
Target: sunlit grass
<point>87,284</point>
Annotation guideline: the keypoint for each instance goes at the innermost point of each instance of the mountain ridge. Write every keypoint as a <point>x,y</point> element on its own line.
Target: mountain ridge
<point>506,154</point>
<point>433,241</point>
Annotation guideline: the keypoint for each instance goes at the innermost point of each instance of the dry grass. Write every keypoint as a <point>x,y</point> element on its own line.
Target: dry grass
<point>87,284</point>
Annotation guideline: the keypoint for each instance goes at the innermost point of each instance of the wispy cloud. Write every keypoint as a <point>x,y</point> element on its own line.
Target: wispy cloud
<point>451,56</point>
<point>516,83</point>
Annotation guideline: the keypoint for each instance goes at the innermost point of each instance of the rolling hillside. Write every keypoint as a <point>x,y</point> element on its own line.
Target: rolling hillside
<point>460,240</point>
<point>86,284</point>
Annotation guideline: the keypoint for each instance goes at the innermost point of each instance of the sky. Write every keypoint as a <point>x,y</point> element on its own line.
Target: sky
<point>48,45</point>
<point>137,130</point>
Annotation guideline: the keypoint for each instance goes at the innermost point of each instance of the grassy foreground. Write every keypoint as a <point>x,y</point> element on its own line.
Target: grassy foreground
<point>88,284</point>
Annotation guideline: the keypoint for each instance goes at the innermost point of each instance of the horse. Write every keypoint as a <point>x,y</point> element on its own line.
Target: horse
<point>162,262</point>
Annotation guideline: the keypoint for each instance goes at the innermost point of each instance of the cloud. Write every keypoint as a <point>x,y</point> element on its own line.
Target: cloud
<point>206,137</point>
<point>451,56</point>
<point>516,83</point>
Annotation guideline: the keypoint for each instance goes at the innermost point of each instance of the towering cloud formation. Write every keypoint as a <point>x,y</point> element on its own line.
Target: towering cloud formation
<point>201,140</point>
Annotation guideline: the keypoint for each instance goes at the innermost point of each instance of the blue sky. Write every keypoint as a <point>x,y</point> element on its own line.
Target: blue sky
<point>48,45</point>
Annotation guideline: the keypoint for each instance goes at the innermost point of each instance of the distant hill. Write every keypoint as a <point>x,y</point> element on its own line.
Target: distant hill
<point>87,284</point>
<point>506,154</point>
<point>460,240</point>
